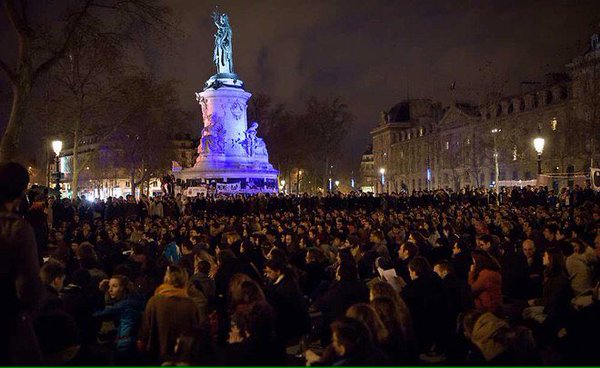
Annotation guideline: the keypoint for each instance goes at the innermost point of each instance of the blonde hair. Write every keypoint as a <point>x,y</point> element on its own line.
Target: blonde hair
<point>366,314</point>
<point>176,276</point>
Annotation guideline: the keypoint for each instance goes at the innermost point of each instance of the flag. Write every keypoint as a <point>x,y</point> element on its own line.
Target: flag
<point>595,178</point>
<point>175,166</point>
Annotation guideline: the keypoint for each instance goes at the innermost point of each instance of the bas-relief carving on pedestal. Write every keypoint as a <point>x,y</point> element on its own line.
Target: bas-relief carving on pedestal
<point>203,105</point>
<point>237,109</point>
<point>213,134</point>
<point>253,145</point>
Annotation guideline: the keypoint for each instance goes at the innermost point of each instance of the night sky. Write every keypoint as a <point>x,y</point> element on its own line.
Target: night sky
<point>370,53</point>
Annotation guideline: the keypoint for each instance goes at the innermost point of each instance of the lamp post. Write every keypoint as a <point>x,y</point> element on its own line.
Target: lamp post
<point>382,172</point>
<point>298,182</point>
<point>538,144</point>
<point>495,131</point>
<point>337,184</point>
<point>57,147</point>
<point>282,182</point>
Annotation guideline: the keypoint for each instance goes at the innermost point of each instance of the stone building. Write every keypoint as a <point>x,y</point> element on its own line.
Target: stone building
<point>367,172</point>
<point>102,176</point>
<point>420,145</point>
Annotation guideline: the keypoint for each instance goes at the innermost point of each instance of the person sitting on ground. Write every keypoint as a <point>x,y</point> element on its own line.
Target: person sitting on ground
<point>169,313</point>
<point>486,282</point>
<point>124,307</point>
<point>352,345</point>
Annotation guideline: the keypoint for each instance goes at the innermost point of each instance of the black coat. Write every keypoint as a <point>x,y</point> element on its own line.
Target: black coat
<point>292,319</point>
<point>21,290</point>
<point>425,299</point>
<point>340,296</point>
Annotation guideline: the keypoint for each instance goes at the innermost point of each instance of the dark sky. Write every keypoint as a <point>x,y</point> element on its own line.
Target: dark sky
<point>373,53</point>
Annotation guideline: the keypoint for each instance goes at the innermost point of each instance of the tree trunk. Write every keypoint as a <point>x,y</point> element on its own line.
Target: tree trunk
<point>18,113</point>
<point>132,173</point>
<point>75,165</point>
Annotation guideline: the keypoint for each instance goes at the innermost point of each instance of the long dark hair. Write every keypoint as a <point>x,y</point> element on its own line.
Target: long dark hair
<point>484,261</point>
<point>556,265</point>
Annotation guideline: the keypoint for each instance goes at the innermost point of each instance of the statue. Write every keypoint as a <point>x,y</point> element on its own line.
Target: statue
<point>212,140</point>
<point>253,145</point>
<point>223,57</point>
<point>384,118</point>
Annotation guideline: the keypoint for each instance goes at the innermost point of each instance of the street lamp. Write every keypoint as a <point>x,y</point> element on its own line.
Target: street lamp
<point>298,182</point>
<point>337,183</point>
<point>538,144</point>
<point>382,172</point>
<point>495,131</point>
<point>57,147</point>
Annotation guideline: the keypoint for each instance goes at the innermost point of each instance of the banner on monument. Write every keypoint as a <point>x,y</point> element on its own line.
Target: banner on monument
<point>595,178</point>
<point>194,191</point>
<point>228,187</point>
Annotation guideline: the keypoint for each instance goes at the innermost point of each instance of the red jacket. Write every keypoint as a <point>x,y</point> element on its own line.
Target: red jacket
<point>487,290</point>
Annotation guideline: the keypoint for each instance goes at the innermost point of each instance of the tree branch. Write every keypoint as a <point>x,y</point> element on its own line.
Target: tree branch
<point>11,75</point>
<point>45,66</point>
<point>17,21</point>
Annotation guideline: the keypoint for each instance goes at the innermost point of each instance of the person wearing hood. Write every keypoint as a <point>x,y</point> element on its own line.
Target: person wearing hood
<point>169,313</point>
<point>124,307</point>
<point>580,266</point>
<point>497,343</point>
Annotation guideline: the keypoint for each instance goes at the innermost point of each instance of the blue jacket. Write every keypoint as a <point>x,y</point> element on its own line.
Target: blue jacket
<point>127,314</point>
<point>172,253</point>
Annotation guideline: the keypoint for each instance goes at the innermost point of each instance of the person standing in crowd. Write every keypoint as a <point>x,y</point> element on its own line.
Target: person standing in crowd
<point>21,286</point>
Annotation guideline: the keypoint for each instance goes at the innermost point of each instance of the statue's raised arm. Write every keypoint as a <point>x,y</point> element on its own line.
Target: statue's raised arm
<point>223,55</point>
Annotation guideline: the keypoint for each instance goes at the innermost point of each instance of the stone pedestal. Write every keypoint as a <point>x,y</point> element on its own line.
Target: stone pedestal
<point>229,150</point>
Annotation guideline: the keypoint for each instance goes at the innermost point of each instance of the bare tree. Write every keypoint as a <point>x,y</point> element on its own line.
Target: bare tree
<point>42,45</point>
<point>150,115</point>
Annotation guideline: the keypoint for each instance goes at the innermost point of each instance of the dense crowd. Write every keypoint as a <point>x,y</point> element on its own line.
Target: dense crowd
<point>431,277</point>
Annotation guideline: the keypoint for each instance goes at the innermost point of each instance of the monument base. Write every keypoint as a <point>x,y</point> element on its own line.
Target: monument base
<point>228,179</point>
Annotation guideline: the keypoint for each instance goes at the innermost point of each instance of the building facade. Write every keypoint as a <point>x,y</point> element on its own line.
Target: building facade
<point>102,176</point>
<point>420,145</point>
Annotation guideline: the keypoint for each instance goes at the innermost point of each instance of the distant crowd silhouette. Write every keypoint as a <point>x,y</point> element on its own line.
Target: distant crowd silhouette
<point>433,277</point>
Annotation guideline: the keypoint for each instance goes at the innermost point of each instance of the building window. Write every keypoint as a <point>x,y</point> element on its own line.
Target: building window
<point>447,145</point>
<point>468,141</point>
<point>514,153</point>
<point>420,132</point>
<point>554,123</point>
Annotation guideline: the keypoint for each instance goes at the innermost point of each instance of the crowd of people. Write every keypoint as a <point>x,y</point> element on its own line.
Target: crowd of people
<point>431,277</point>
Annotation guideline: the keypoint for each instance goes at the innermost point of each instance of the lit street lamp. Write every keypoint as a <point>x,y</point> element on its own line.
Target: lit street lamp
<point>538,144</point>
<point>382,172</point>
<point>282,182</point>
<point>337,183</point>
<point>495,131</point>
<point>57,147</point>
<point>298,182</point>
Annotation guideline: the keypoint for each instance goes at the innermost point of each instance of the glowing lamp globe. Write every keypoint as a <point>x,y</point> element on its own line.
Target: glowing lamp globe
<point>538,144</point>
<point>57,147</point>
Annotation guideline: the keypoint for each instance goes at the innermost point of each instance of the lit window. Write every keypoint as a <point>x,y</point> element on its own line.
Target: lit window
<point>420,132</point>
<point>447,145</point>
<point>468,141</point>
<point>554,123</point>
<point>515,153</point>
